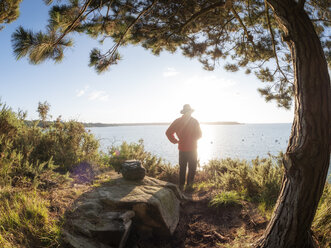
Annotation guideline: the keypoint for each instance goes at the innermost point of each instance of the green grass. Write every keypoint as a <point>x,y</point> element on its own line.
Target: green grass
<point>25,220</point>
<point>322,220</point>
<point>228,198</point>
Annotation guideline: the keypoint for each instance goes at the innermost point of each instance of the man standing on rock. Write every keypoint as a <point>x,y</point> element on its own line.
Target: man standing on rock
<point>187,130</point>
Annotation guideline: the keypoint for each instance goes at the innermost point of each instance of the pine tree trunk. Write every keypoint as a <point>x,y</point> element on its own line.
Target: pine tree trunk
<point>308,153</point>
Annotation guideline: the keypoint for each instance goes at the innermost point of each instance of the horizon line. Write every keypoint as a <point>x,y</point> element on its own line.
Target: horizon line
<point>101,124</point>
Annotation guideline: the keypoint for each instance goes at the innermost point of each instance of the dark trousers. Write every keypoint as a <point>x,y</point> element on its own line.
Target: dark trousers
<point>191,159</point>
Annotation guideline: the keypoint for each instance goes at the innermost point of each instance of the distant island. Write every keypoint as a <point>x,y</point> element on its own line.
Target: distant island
<point>90,124</point>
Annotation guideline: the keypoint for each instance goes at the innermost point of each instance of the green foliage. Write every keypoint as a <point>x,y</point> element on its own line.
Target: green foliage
<point>27,151</point>
<point>25,221</point>
<point>39,46</point>
<point>101,62</point>
<point>322,221</point>
<point>231,67</point>
<point>265,75</point>
<point>43,109</point>
<point>154,166</point>
<point>227,198</point>
<point>9,11</point>
<point>67,143</point>
<point>258,182</point>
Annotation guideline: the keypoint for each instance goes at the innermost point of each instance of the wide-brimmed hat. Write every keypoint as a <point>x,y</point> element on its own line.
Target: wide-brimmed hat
<point>186,108</point>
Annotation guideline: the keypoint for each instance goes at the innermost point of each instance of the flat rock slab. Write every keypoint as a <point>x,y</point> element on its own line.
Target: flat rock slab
<point>104,215</point>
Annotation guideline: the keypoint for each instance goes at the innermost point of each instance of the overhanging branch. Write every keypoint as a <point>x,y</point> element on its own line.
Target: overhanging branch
<point>112,51</point>
<point>201,13</point>
<point>249,36</point>
<point>74,23</point>
<point>273,40</point>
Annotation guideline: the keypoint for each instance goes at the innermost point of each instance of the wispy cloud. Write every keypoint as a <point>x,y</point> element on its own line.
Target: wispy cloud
<point>81,92</point>
<point>98,96</point>
<point>170,72</point>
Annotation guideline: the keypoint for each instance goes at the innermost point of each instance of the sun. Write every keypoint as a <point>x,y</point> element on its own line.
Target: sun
<point>210,96</point>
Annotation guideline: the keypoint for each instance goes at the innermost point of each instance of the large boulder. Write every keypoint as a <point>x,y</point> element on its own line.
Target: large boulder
<point>103,217</point>
<point>155,203</point>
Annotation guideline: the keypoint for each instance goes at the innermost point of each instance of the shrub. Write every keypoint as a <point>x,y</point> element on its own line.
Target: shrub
<point>67,143</point>
<point>155,166</point>
<point>27,149</point>
<point>258,182</point>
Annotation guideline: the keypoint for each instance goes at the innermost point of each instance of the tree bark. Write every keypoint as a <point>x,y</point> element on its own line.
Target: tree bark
<point>307,158</point>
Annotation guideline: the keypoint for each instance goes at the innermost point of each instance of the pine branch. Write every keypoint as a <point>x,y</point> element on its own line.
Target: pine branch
<point>108,7</point>
<point>196,16</point>
<point>74,23</point>
<point>320,20</point>
<point>102,61</point>
<point>249,36</point>
<point>201,13</point>
<point>273,40</point>
<point>319,5</point>
<point>113,50</point>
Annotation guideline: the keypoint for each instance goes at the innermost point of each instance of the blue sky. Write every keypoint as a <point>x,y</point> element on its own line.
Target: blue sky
<point>141,88</point>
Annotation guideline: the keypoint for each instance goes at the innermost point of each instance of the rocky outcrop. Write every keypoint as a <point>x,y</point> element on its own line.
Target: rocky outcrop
<point>103,217</point>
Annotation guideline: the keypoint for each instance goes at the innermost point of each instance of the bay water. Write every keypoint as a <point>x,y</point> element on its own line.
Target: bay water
<point>244,141</point>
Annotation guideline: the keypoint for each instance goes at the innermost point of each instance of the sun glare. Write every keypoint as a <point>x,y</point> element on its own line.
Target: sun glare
<point>207,144</point>
<point>208,95</point>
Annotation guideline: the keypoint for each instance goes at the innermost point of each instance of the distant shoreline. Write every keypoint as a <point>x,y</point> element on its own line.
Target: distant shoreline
<point>155,124</point>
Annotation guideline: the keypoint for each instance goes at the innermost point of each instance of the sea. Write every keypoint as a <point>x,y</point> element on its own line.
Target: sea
<point>238,141</point>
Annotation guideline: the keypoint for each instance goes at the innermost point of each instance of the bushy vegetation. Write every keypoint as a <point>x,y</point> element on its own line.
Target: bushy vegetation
<point>27,150</point>
<point>155,166</point>
<point>258,181</point>
<point>33,157</point>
